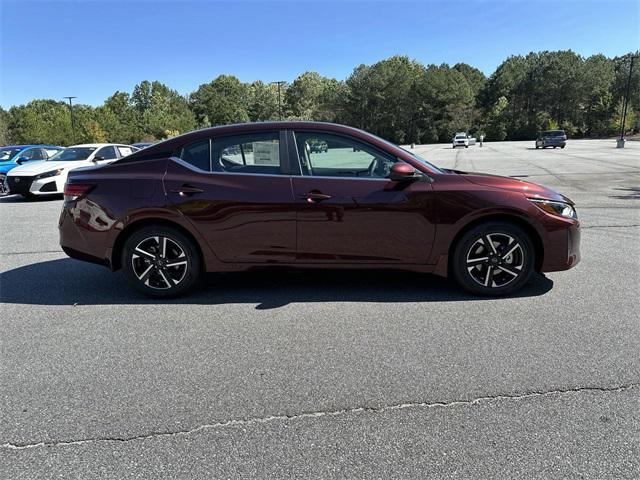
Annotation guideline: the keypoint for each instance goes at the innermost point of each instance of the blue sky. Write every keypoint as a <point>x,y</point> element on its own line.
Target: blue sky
<point>91,49</point>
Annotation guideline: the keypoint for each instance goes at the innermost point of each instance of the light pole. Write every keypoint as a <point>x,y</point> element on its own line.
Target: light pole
<point>73,118</point>
<point>620,142</point>
<point>279,83</point>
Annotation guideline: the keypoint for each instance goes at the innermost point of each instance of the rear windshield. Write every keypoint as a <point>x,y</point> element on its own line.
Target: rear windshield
<point>554,133</point>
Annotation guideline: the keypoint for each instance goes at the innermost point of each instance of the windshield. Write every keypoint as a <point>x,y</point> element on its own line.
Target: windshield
<point>73,153</point>
<point>461,136</point>
<point>8,153</point>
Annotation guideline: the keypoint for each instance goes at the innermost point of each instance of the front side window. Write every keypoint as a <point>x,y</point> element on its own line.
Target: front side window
<point>257,153</point>
<point>107,153</point>
<point>327,155</point>
<point>33,154</point>
<point>196,154</point>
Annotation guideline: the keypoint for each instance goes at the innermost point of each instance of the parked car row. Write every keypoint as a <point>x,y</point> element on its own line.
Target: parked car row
<point>13,155</point>
<point>35,170</point>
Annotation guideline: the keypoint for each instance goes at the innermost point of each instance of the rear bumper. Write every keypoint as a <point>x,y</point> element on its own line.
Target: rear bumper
<point>553,143</point>
<point>79,242</point>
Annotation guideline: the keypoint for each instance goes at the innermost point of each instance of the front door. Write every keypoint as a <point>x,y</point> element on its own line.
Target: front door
<point>236,192</point>
<point>348,209</point>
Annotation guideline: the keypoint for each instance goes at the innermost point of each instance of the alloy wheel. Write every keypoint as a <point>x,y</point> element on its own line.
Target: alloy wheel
<point>495,260</point>
<point>159,262</point>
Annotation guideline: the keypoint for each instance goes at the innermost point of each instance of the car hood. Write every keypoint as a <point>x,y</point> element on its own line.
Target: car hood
<point>6,166</point>
<point>529,189</point>
<point>36,168</point>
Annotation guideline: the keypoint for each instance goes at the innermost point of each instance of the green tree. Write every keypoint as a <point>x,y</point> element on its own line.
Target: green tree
<point>5,134</point>
<point>41,121</point>
<point>223,101</point>
<point>385,98</point>
<point>313,97</point>
<point>262,102</point>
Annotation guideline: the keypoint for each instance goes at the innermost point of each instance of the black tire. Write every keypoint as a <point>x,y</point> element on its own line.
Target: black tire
<point>470,271</point>
<point>169,275</point>
<point>466,146</point>
<point>562,146</point>
<point>537,147</point>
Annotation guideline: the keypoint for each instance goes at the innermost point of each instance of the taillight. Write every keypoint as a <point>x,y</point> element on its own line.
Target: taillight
<point>73,191</point>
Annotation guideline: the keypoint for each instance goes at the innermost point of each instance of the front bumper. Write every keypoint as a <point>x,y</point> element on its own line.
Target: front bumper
<point>25,185</point>
<point>562,247</point>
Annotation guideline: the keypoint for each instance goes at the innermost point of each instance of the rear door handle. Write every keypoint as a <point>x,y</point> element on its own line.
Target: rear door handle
<point>186,190</point>
<point>314,197</point>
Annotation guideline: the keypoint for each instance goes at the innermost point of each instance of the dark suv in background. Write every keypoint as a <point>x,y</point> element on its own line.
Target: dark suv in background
<point>551,138</point>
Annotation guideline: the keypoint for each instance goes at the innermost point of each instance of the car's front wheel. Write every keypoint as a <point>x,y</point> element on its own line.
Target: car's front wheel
<point>494,258</point>
<point>161,261</point>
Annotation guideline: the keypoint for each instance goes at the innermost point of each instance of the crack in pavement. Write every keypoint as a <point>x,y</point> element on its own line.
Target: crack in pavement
<point>319,414</point>
<point>610,226</point>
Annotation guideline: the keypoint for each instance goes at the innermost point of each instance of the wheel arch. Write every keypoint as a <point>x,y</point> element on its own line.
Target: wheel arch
<point>536,239</point>
<point>130,229</point>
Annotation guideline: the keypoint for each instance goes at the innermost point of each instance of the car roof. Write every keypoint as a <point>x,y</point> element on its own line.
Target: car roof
<point>30,145</point>
<point>167,146</point>
<point>98,145</point>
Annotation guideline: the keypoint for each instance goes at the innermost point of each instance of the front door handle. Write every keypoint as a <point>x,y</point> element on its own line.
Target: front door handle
<point>186,190</point>
<point>314,197</point>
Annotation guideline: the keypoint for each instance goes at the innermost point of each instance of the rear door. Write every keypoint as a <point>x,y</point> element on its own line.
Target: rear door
<point>236,190</point>
<point>348,209</point>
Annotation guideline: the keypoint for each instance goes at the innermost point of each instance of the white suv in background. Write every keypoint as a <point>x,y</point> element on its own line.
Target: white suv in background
<point>49,176</point>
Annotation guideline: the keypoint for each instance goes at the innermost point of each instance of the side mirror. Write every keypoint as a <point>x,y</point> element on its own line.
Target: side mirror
<point>97,158</point>
<point>402,172</point>
<point>21,160</point>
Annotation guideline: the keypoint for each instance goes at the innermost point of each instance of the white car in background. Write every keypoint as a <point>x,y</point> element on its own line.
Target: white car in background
<point>462,139</point>
<point>49,176</point>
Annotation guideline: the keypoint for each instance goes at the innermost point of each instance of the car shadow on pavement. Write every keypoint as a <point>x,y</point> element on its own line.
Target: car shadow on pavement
<point>34,199</point>
<point>69,282</point>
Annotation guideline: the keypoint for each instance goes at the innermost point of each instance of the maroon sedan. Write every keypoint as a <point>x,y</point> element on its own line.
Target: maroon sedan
<point>311,195</point>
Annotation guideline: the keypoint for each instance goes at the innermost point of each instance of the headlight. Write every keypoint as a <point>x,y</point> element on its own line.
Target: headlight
<point>52,173</point>
<point>561,209</point>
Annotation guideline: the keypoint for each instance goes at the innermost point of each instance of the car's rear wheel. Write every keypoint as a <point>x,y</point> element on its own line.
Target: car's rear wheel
<point>161,261</point>
<point>494,258</point>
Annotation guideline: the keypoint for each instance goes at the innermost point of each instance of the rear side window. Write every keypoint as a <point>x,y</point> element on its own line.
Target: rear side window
<point>196,154</point>
<point>257,153</point>
<point>124,151</point>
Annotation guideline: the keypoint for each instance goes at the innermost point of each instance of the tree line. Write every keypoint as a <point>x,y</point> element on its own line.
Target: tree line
<point>398,98</point>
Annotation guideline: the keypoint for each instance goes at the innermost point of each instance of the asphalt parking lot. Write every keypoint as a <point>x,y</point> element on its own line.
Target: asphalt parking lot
<point>332,375</point>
